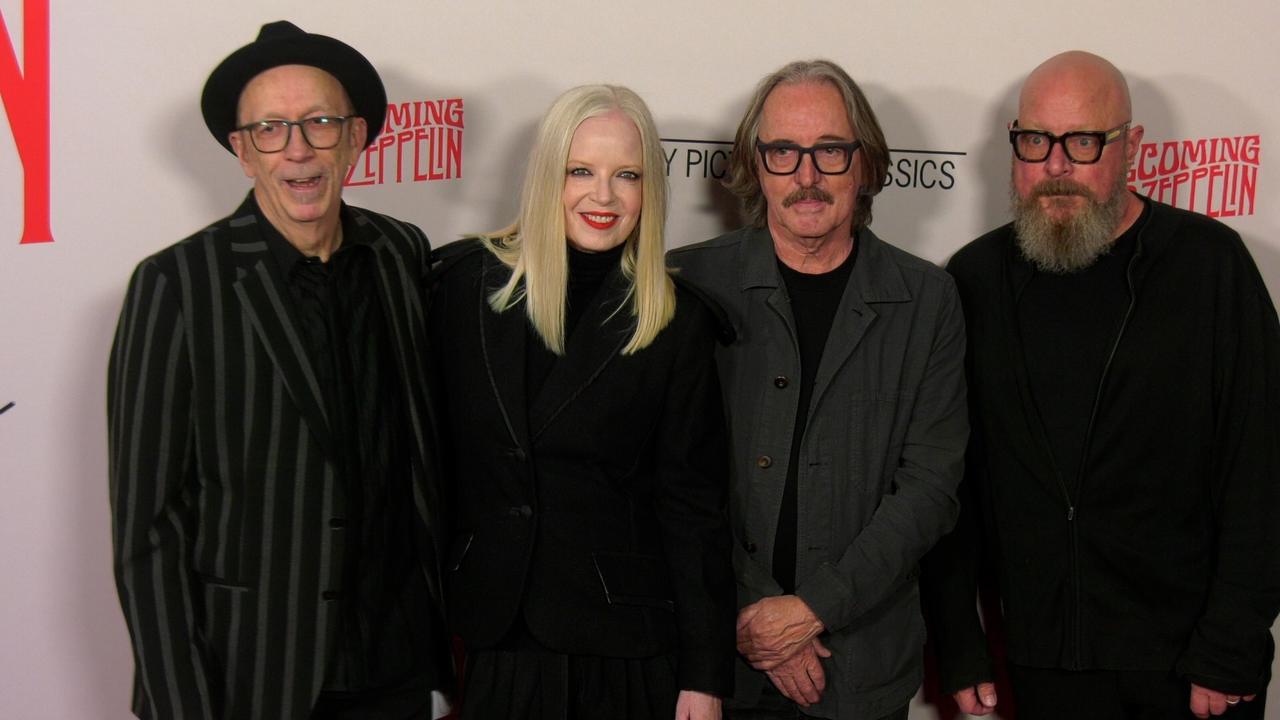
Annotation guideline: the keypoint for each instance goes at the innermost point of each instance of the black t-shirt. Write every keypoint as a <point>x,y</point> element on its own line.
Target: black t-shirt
<point>1068,324</point>
<point>814,300</point>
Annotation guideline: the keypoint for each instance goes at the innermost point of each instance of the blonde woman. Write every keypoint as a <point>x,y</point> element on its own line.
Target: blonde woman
<point>589,575</point>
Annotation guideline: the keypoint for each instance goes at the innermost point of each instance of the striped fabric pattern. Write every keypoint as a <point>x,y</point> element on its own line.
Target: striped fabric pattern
<point>220,484</point>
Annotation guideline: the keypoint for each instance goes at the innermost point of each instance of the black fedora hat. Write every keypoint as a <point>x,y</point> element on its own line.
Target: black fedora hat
<point>283,43</point>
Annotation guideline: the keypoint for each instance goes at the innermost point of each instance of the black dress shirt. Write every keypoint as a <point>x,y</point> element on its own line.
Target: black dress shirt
<point>383,592</point>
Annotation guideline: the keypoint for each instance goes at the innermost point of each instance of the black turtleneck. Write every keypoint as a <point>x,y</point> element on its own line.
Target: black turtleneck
<point>587,273</point>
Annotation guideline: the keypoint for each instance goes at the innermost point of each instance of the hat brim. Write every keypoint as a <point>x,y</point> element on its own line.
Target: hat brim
<point>357,75</point>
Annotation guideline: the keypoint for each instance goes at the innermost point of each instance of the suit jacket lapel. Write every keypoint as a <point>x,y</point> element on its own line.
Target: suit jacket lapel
<point>502,345</point>
<point>263,293</point>
<point>601,334</point>
<point>401,302</point>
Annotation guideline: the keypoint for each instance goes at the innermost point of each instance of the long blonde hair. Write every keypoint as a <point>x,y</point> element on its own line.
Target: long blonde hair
<point>535,246</point>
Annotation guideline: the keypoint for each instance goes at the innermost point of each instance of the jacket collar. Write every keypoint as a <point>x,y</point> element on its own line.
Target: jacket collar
<point>875,278</point>
<point>262,288</point>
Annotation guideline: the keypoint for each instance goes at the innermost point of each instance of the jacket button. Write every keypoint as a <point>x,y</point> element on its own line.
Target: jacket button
<point>330,594</point>
<point>781,382</point>
<point>764,461</point>
<point>748,546</point>
<point>337,523</point>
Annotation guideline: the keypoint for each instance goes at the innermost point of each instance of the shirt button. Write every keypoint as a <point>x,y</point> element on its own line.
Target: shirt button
<point>748,546</point>
<point>764,461</point>
<point>330,594</point>
<point>337,523</point>
<point>781,382</point>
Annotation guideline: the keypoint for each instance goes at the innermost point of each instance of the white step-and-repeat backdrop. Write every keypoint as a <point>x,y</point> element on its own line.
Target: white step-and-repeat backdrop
<point>104,159</point>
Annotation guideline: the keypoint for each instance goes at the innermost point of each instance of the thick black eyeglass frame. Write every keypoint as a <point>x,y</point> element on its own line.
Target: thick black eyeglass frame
<point>302,128</point>
<point>1104,138</point>
<point>850,147</point>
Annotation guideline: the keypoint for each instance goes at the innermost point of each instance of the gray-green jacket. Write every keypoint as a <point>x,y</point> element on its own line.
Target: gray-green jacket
<point>883,452</point>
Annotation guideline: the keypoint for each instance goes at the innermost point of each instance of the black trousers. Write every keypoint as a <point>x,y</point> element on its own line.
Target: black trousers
<point>410,700</point>
<point>1052,694</point>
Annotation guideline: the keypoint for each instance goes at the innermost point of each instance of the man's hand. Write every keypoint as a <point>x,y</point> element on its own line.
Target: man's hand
<point>773,629</point>
<point>978,699</point>
<point>801,678</point>
<point>694,705</point>
<point>1206,702</point>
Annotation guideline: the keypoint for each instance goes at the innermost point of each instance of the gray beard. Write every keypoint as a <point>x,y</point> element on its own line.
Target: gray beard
<point>1062,247</point>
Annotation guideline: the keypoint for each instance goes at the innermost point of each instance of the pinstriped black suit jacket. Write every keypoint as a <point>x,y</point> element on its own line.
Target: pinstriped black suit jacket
<point>221,485</point>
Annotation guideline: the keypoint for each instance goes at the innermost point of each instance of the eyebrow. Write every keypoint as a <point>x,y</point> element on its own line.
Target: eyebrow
<point>573,161</point>
<point>821,140</point>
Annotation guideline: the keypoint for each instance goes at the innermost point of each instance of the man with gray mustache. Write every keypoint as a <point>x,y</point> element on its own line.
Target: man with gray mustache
<point>845,395</point>
<point>1121,479</point>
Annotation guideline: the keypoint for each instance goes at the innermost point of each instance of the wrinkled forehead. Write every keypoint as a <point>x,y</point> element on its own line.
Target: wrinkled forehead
<point>814,107</point>
<point>292,89</point>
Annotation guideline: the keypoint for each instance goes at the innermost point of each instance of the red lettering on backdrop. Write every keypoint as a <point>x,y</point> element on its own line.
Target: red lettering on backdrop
<point>25,93</point>
<point>421,140</point>
<point>1216,176</point>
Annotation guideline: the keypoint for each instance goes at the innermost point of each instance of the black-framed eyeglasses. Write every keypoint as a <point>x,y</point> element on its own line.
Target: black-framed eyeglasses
<point>831,158</point>
<point>272,136</point>
<point>1083,147</point>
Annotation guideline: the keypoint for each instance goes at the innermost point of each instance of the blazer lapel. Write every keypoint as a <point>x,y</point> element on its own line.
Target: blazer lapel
<point>502,347</point>
<point>264,295</point>
<point>875,279</point>
<point>759,273</point>
<point>401,302</point>
<point>601,334</point>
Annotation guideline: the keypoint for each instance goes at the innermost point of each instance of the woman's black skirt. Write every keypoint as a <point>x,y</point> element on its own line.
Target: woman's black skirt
<point>520,684</point>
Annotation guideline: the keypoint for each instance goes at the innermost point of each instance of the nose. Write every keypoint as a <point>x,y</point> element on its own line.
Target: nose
<point>807,174</point>
<point>1058,164</point>
<point>297,148</point>
<point>602,189</point>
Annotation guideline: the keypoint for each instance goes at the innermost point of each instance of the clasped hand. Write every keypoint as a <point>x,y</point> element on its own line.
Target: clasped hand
<point>779,635</point>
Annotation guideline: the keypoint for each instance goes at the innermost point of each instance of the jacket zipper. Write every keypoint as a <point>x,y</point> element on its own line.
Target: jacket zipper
<point>1088,441</point>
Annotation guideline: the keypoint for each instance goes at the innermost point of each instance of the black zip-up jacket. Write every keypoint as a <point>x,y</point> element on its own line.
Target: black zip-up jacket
<point>1164,553</point>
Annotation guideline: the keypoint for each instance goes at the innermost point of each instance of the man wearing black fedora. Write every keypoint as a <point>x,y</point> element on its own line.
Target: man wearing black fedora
<point>275,518</point>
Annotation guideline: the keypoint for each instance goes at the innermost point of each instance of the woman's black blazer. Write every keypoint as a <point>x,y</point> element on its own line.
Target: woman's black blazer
<point>598,508</point>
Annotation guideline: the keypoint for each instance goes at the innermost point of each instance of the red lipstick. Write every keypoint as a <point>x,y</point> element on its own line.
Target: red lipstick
<point>598,224</point>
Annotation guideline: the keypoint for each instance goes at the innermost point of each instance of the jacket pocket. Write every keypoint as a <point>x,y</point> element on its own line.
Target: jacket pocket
<point>458,550</point>
<point>212,581</point>
<point>888,651</point>
<point>633,579</point>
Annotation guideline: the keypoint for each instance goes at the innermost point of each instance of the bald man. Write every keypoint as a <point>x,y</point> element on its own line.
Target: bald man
<point>1121,480</point>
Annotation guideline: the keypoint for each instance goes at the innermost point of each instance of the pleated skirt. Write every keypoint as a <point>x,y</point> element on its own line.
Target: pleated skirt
<point>528,684</point>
